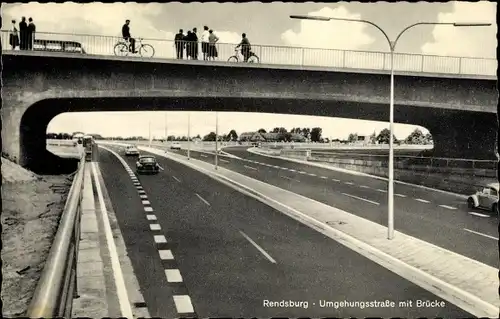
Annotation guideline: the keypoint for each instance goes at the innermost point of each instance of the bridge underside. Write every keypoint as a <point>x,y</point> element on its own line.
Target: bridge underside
<point>456,134</point>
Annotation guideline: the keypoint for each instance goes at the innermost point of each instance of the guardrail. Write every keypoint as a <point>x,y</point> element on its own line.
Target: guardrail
<point>269,54</point>
<point>57,287</point>
<point>56,142</point>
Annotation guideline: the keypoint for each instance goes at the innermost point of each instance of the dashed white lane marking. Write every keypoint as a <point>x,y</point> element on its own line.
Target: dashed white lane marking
<point>400,195</point>
<point>258,247</point>
<point>289,178</point>
<point>160,239</point>
<point>155,226</point>
<point>173,275</point>
<point>381,190</point>
<point>478,214</point>
<point>348,183</point>
<point>323,177</point>
<point>146,202</point>
<point>250,167</point>
<point>151,217</point>
<point>183,304</point>
<point>203,155</point>
<point>364,186</point>
<point>480,234</point>
<point>422,200</point>
<point>311,174</point>
<point>360,198</point>
<point>202,199</point>
<point>223,160</point>
<point>292,170</point>
<point>335,180</point>
<point>144,196</point>
<point>166,254</point>
<point>148,209</point>
<point>448,207</point>
<point>178,180</point>
<point>302,172</point>
<point>161,168</point>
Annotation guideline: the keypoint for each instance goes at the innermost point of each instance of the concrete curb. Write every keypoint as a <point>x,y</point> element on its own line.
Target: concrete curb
<point>253,150</point>
<point>455,295</point>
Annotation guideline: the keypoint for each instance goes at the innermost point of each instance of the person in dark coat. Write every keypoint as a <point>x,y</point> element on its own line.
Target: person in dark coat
<point>180,44</point>
<point>195,44</point>
<point>23,32</point>
<point>126,36</point>
<point>31,34</point>
<point>187,40</point>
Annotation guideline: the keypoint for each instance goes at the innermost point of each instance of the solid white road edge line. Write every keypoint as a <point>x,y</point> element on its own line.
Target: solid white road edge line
<point>453,294</point>
<point>202,199</point>
<point>121,289</point>
<point>258,247</point>
<point>480,234</point>
<point>360,198</point>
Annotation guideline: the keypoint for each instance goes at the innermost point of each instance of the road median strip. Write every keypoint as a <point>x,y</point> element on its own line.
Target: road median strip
<point>429,267</point>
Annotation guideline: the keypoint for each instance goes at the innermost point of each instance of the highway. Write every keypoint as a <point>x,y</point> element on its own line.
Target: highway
<point>438,218</point>
<point>233,253</point>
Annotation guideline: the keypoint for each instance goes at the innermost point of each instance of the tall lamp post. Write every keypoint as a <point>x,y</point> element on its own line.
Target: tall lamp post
<point>166,132</point>
<point>189,136</point>
<point>216,139</point>
<point>150,133</point>
<point>392,46</point>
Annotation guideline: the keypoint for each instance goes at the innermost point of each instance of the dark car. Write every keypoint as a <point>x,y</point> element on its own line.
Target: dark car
<point>147,164</point>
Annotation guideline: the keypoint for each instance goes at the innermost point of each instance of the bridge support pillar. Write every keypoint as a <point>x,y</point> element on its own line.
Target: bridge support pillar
<point>471,136</point>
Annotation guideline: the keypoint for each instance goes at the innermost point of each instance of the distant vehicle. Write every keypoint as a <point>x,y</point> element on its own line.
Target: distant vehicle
<point>88,145</point>
<point>131,150</point>
<point>147,164</point>
<point>486,199</point>
<point>175,146</point>
<point>58,46</point>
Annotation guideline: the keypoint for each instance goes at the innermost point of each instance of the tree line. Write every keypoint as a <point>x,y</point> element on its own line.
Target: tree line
<point>416,137</point>
<point>313,134</point>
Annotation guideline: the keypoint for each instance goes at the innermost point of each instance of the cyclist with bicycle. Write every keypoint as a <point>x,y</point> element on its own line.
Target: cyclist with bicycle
<point>245,47</point>
<point>127,37</point>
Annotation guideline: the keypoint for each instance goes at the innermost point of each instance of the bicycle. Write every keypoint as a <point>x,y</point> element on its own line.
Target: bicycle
<point>253,58</point>
<point>122,48</point>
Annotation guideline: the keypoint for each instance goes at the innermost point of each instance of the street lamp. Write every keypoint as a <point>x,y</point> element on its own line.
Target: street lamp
<point>189,136</point>
<point>216,138</point>
<point>166,132</point>
<point>392,46</point>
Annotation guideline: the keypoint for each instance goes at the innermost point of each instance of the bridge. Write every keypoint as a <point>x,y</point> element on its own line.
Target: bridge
<point>458,109</point>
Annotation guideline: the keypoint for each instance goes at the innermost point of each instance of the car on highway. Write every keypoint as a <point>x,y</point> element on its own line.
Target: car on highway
<point>131,150</point>
<point>486,199</point>
<point>147,164</point>
<point>175,146</point>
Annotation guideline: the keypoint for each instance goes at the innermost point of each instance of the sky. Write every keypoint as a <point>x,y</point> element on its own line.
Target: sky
<point>265,24</point>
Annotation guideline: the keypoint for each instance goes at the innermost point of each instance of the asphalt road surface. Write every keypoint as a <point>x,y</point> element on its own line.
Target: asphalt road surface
<point>235,253</point>
<point>435,217</point>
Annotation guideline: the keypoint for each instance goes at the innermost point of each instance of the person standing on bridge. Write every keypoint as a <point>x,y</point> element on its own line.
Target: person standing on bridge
<point>14,36</point>
<point>188,41</point>
<point>195,44</point>
<point>31,34</point>
<point>126,35</point>
<point>204,43</point>
<point>245,47</point>
<point>179,44</point>
<point>212,49</point>
<point>23,34</point>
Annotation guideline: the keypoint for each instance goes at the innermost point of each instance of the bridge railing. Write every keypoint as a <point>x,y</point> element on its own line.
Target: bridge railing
<point>57,287</point>
<point>269,54</point>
